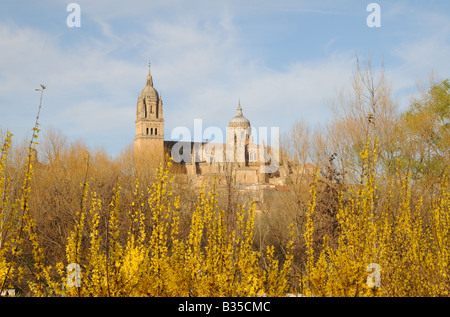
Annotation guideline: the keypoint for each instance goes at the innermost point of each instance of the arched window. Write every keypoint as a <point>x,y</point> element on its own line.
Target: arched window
<point>252,156</point>
<point>145,109</point>
<point>151,131</point>
<point>147,131</point>
<point>156,131</point>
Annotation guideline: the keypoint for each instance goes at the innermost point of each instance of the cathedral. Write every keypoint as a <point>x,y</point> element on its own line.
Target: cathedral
<point>239,160</point>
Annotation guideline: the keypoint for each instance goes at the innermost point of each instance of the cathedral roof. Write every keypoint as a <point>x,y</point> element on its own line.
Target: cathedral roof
<point>149,91</point>
<point>239,121</point>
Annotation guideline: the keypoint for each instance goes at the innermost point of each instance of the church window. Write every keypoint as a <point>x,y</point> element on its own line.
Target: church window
<point>253,156</point>
<point>145,109</point>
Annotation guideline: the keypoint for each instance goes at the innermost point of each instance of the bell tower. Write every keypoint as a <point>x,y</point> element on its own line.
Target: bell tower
<point>149,139</point>
<point>238,138</point>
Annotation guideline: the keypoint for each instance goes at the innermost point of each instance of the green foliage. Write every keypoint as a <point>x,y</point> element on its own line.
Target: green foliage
<point>424,132</point>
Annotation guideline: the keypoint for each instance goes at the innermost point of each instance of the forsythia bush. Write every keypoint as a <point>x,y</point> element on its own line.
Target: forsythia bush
<point>410,246</point>
<point>217,259</point>
<point>16,226</point>
<point>147,255</point>
<point>4,268</point>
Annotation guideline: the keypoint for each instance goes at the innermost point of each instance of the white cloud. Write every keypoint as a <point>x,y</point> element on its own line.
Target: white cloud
<point>421,56</point>
<point>200,69</point>
<point>73,79</point>
<point>200,64</point>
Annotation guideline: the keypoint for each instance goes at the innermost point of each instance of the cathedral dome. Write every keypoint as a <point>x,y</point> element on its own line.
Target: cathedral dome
<point>239,121</point>
<point>149,91</point>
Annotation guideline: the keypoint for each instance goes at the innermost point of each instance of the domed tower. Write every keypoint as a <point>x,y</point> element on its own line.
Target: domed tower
<point>239,121</point>
<point>149,122</point>
<point>238,138</point>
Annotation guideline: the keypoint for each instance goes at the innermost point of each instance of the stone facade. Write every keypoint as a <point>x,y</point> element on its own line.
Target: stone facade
<point>149,121</point>
<point>239,160</point>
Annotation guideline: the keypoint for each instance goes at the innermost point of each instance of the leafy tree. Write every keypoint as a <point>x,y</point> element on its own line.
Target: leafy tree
<point>424,133</point>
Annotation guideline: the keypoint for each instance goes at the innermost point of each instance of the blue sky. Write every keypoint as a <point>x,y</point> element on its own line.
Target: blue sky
<point>284,60</point>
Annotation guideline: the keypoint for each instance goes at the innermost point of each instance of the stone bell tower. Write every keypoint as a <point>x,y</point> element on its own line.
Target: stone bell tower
<point>238,139</point>
<point>149,139</point>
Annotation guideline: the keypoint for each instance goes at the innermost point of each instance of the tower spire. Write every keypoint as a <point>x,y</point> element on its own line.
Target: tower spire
<point>239,108</point>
